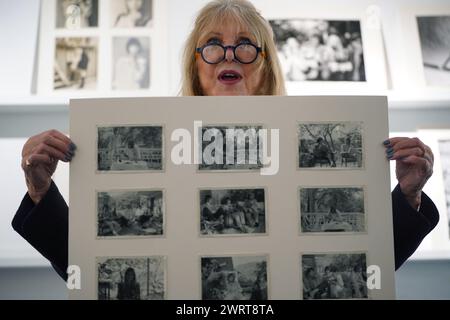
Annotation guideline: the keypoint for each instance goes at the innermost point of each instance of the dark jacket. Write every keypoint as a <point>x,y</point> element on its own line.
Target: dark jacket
<point>45,226</point>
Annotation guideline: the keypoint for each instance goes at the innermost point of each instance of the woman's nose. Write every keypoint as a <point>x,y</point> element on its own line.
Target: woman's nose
<point>229,54</point>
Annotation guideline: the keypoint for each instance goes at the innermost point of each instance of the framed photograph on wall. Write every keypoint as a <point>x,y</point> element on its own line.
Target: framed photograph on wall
<point>426,246</point>
<point>426,58</point>
<point>438,187</point>
<point>337,51</point>
<point>102,48</point>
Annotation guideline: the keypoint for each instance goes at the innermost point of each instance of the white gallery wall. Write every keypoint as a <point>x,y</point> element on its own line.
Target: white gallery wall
<point>22,115</point>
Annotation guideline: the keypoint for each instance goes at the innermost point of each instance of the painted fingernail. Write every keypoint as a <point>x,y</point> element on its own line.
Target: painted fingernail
<point>67,158</point>
<point>386,142</point>
<point>390,150</point>
<point>70,153</point>
<point>72,146</point>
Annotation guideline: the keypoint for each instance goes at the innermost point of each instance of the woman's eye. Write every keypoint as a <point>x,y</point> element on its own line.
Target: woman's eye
<point>213,41</point>
<point>244,41</point>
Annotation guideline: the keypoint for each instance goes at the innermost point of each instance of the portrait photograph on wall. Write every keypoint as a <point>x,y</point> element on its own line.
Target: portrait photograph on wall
<point>76,14</point>
<point>131,63</point>
<point>444,152</point>
<point>320,50</point>
<point>75,65</point>
<point>131,13</point>
<point>434,34</point>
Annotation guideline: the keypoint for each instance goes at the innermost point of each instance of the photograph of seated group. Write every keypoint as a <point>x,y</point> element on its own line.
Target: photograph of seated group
<point>232,150</point>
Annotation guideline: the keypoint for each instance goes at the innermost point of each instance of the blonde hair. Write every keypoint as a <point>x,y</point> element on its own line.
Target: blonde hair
<point>244,14</point>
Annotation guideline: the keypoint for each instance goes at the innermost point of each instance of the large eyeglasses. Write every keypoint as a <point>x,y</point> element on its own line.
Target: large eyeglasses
<point>214,53</point>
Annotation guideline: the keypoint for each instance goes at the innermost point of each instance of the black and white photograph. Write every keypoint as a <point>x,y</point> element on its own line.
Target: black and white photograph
<point>330,145</point>
<point>131,13</point>
<point>76,14</point>
<point>75,65</point>
<point>332,210</point>
<point>444,152</point>
<point>334,276</point>
<point>434,34</point>
<point>232,147</point>
<point>130,213</point>
<point>131,278</point>
<point>131,63</point>
<point>232,211</point>
<point>130,148</point>
<point>320,50</point>
<point>234,278</point>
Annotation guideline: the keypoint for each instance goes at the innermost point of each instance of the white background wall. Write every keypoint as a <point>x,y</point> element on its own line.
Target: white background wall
<point>18,34</point>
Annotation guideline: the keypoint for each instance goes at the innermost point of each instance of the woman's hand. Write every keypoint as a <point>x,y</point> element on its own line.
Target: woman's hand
<point>414,166</point>
<point>40,156</point>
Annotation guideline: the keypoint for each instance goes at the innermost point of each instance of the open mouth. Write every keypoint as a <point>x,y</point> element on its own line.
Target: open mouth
<point>229,76</point>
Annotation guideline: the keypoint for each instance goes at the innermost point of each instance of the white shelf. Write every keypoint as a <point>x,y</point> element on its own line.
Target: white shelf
<point>24,262</point>
<point>414,99</point>
<point>33,104</point>
<point>419,99</point>
<point>430,255</point>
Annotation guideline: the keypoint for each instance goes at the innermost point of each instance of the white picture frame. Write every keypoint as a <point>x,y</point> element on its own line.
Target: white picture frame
<point>436,189</point>
<point>152,38</point>
<point>373,47</point>
<point>411,71</point>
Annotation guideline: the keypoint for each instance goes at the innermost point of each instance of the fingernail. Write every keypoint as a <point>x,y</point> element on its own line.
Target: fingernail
<point>72,146</point>
<point>67,158</point>
<point>386,142</point>
<point>390,150</point>
<point>70,153</point>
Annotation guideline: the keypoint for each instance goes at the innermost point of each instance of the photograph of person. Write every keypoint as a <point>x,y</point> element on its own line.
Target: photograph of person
<point>211,68</point>
<point>434,34</point>
<point>131,63</point>
<point>232,211</point>
<point>140,278</point>
<point>334,276</point>
<point>320,50</point>
<point>131,13</point>
<point>230,147</point>
<point>234,278</point>
<point>332,210</point>
<point>76,14</point>
<point>330,145</point>
<point>130,213</point>
<point>129,148</point>
<point>444,152</point>
<point>75,65</point>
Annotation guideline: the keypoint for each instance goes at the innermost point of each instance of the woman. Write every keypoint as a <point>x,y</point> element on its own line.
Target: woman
<point>230,52</point>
